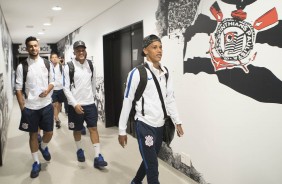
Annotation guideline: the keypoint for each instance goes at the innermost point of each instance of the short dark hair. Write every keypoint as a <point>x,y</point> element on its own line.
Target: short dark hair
<point>31,38</point>
<point>54,53</point>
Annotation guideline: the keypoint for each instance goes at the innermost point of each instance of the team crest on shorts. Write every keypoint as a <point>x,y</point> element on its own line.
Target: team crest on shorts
<point>149,140</point>
<point>25,126</point>
<point>71,124</point>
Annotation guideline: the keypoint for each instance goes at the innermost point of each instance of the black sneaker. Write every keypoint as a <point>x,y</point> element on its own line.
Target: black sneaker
<point>80,155</point>
<point>36,168</point>
<point>83,131</point>
<point>58,124</point>
<point>45,153</point>
<point>134,182</point>
<point>99,162</point>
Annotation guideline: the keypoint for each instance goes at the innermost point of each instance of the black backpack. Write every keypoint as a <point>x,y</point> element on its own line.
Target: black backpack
<point>25,70</point>
<point>72,70</point>
<point>141,87</point>
<point>61,68</point>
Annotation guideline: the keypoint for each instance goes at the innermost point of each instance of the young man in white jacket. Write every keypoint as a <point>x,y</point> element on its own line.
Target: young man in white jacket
<point>58,96</point>
<point>149,117</point>
<point>33,93</point>
<point>80,92</point>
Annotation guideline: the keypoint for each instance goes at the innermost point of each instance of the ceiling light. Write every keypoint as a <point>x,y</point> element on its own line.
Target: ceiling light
<point>41,33</point>
<point>47,24</point>
<point>57,8</point>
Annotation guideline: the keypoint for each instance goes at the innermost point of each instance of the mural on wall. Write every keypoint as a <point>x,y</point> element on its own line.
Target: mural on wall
<point>232,53</point>
<point>240,43</point>
<point>6,83</point>
<point>174,17</point>
<point>65,48</point>
<point>4,115</point>
<point>100,98</point>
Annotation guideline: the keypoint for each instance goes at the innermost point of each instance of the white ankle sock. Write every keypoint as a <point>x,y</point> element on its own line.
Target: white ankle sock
<point>97,149</point>
<point>35,157</point>
<point>78,144</point>
<point>43,145</point>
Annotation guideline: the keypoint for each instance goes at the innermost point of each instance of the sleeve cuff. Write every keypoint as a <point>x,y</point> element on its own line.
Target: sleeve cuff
<point>179,123</point>
<point>122,132</point>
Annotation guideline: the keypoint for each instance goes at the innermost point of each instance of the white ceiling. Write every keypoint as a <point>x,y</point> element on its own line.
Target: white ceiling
<point>22,13</point>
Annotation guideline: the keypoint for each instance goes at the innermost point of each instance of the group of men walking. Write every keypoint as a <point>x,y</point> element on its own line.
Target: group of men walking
<point>40,83</point>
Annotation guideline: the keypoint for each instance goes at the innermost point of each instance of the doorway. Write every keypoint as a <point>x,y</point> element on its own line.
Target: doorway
<point>122,52</point>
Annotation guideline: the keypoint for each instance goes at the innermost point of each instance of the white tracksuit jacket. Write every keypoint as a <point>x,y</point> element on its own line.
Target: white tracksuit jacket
<point>84,91</point>
<point>153,111</point>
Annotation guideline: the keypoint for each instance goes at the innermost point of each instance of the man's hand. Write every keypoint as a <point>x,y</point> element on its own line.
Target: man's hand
<point>20,99</point>
<point>47,91</point>
<point>43,94</point>
<point>21,107</point>
<point>78,109</point>
<point>179,130</point>
<point>122,139</point>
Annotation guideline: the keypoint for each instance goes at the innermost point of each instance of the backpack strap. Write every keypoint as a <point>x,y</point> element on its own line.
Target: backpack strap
<point>139,90</point>
<point>160,93</point>
<point>142,83</point>
<point>25,70</point>
<point>71,73</point>
<point>91,67</point>
<point>166,75</point>
<point>47,64</point>
<point>61,68</point>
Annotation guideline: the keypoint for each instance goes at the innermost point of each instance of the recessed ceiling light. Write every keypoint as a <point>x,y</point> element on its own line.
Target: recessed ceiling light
<point>41,33</point>
<point>47,24</point>
<point>57,8</point>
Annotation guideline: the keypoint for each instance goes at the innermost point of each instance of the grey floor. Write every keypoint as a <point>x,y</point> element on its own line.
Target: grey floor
<point>63,167</point>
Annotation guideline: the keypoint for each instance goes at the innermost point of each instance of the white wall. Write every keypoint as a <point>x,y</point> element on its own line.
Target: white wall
<point>231,138</point>
<point>121,15</point>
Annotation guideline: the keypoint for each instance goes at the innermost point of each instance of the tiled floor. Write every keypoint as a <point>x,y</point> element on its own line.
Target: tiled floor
<point>63,167</point>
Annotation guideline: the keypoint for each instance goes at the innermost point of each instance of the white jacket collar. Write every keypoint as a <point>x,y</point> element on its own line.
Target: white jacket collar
<point>154,70</point>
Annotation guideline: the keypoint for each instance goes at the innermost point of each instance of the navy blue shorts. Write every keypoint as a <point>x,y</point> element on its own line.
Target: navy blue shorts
<point>31,120</point>
<point>76,120</point>
<point>58,96</point>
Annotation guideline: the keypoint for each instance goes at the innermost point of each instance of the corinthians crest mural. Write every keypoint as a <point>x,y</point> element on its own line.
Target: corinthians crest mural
<point>235,37</point>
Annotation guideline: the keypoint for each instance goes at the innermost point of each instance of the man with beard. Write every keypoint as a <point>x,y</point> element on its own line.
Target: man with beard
<point>34,84</point>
